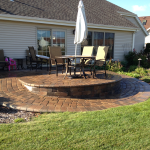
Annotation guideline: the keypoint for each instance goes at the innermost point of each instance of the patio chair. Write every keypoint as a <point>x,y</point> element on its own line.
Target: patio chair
<point>34,61</point>
<point>100,59</point>
<point>3,63</point>
<point>28,58</point>
<point>87,51</point>
<point>55,51</point>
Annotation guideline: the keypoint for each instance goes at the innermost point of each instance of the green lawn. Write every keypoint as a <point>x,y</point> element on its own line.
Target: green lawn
<point>126,127</point>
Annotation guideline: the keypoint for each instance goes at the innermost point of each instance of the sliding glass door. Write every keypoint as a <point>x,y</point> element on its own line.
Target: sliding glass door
<point>43,41</point>
<point>87,42</point>
<point>100,39</point>
<point>47,38</point>
<point>59,40</point>
<point>109,41</point>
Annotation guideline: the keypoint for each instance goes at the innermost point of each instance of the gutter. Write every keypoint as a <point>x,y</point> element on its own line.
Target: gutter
<point>62,22</point>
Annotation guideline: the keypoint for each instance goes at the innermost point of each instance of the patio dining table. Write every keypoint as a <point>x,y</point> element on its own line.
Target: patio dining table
<point>83,58</point>
<point>44,57</point>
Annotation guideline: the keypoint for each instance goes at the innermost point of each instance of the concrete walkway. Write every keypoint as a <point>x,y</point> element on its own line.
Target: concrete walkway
<point>13,94</point>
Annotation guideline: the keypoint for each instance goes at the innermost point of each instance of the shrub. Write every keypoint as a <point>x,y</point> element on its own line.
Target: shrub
<point>148,46</point>
<point>114,66</point>
<point>129,58</point>
<point>146,79</point>
<point>141,71</point>
<point>132,59</point>
<point>132,68</point>
<point>134,75</point>
<point>124,63</point>
<point>146,51</point>
<point>144,63</point>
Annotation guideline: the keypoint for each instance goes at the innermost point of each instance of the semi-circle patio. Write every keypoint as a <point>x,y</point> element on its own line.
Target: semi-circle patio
<point>13,94</point>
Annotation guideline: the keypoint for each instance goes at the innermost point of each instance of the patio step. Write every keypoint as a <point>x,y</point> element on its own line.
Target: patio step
<point>50,85</point>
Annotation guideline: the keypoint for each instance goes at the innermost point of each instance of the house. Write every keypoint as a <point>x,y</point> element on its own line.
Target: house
<point>25,23</point>
<point>146,22</point>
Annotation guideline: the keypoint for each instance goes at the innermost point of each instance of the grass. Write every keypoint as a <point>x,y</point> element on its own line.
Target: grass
<point>19,120</point>
<point>146,79</point>
<point>126,127</point>
<point>131,74</point>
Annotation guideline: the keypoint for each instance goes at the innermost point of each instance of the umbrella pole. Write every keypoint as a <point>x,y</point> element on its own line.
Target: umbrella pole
<point>76,50</point>
<point>75,53</point>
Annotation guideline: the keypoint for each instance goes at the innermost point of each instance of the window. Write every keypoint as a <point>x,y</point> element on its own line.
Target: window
<point>43,41</point>
<point>109,41</point>
<point>47,38</point>
<point>59,40</point>
<point>87,42</point>
<point>144,22</point>
<point>98,39</point>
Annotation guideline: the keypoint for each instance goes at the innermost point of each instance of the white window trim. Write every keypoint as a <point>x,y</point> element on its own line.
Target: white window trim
<point>52,29</point>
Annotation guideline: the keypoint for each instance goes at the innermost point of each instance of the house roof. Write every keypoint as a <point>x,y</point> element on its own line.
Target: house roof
<point>147,18</point>
<point>97,11</point>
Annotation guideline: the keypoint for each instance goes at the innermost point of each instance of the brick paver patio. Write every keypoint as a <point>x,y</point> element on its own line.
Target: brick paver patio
<point>50,85</point>
<point>13,94</point>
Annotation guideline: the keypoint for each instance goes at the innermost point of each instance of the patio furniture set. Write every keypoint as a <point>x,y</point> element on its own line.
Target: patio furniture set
<point>56,58</point>
<point>69,61</point>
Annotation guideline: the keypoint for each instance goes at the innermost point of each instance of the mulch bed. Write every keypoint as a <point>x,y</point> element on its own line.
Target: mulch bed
<point>8,115</point>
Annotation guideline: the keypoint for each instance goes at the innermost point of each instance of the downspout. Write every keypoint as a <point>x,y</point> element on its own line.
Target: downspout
<point>133,40</point>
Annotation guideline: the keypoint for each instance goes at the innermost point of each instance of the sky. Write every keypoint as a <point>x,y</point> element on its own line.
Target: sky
<point>139,7</point>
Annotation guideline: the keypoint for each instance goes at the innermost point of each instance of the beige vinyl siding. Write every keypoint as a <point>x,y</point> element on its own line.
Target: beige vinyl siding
<point>16,37</point>
<point>123,44</point>
<point>139,35</point>
<point>70,43</point>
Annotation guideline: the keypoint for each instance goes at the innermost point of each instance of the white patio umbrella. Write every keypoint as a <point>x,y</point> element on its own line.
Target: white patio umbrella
<point>81,26</point>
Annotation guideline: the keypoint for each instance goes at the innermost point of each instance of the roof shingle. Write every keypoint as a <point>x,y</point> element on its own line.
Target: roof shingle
<point>97,11</point>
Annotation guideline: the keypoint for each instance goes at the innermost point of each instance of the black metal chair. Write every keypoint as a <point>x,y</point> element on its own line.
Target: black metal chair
<point>34,61</point>
<point>28,58</point>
